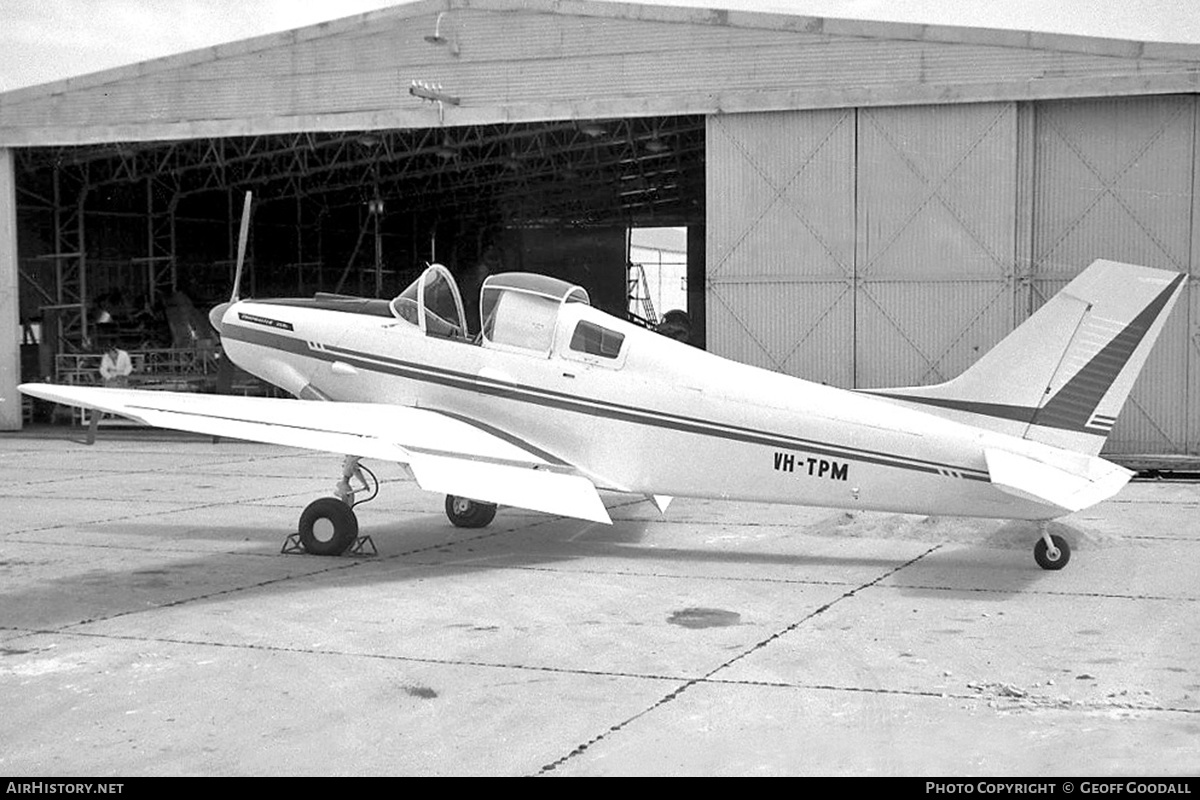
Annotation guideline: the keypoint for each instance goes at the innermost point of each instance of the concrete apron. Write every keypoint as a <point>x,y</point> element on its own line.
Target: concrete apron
<point>150,626</point>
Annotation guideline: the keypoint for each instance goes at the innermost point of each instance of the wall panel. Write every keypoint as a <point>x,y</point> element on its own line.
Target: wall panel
<point>780,247</point>
<point>935,240</point>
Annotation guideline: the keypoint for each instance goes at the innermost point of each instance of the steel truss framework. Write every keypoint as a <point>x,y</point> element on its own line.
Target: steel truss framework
<point>488,177</point>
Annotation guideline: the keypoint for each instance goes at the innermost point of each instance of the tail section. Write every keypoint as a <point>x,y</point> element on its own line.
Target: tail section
<point>1063,375</point>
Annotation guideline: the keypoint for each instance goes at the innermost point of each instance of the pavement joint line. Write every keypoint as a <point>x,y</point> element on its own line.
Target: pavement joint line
<point>203,466</point>
<point>1040,592</point>
<point>335,567</point>
<point>1039,701</point>
<point>1136,537</point>
<point>474,564</point>
<point>137,549</point>
<point>1043,702</point>
<point>500,532</point>
<point>141,515</point>
<point>679,690</point>
<point>312,651</point>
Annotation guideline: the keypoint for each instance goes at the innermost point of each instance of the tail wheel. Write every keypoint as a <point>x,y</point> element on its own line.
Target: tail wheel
<point>1052,559</point>
<point>466,513</point>
<point>327,527</point>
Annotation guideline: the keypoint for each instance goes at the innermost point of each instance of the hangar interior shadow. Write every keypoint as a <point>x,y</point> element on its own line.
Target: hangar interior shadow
<point>109,236</point>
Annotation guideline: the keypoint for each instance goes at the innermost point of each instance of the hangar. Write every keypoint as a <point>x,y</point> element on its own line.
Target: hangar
<point>867,204</point>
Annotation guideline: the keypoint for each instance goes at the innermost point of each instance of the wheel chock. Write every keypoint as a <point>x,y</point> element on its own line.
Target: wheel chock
<point>363,547</point>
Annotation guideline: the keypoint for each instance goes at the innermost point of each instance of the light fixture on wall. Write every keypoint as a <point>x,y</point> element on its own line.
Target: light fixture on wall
<point>590,128</point>
<point>656,145</point>
<point>434,94</point>
<point>446,150</point>
<point>511,162</point>
<point>439,39</point>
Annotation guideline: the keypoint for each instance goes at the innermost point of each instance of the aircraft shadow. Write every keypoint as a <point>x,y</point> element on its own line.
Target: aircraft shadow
<point>422,547</point>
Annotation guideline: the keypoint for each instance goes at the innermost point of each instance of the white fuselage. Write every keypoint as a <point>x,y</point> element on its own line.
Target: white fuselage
<point>661,419</point>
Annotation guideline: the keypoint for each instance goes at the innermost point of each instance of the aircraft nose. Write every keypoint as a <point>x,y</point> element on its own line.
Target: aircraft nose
<point>216,317</point>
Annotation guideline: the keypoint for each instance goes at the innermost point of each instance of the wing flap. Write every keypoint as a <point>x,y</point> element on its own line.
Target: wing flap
<point>1072,489</point>
<point>534,488</point>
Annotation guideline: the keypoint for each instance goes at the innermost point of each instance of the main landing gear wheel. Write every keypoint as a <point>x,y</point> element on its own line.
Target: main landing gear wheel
<point>1054,555</point>
<point>466,513</point>
<point>328,527</point>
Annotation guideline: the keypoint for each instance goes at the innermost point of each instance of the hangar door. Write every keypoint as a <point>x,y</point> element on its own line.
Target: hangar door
<point>780,251</point>
<point>1114,178</point>
<point>862,247</point>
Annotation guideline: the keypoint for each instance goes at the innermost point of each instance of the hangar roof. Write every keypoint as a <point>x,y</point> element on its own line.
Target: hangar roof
<point>512,61</point>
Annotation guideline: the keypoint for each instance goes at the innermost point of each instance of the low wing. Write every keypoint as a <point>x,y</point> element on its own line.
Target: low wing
<point>445,454</point>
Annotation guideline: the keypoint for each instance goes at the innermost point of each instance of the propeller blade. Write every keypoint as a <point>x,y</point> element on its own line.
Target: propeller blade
<point>241,255</point>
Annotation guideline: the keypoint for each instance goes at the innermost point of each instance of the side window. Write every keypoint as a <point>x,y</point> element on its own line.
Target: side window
<point>596,341</point>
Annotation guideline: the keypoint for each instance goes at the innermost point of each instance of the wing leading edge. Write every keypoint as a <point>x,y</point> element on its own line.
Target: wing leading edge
<point>445,454</point>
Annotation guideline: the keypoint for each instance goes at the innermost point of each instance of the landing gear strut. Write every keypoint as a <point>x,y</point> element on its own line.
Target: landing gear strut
<point>1051,551</point>
<point>329,526</point>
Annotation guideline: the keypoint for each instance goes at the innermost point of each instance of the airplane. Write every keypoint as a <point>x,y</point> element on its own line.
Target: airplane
<point>554,400</point>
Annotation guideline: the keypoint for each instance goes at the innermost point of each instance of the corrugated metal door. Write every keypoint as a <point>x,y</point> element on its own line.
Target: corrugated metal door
<point>1114,179</point>
<point>936,233</point>
<point>893,246</point>
<point>1192,403</point>
<point>781,241</point>
<point>833,233</point>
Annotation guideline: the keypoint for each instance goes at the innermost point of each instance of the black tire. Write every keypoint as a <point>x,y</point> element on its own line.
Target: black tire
<point>466,513</point>
<point>327,527</point>
<point>1042,557</point>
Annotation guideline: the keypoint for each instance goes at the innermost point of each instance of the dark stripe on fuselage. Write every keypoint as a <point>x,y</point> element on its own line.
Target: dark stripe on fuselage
<point>591,407</point>
<point>333,302</point>
<point>999,410</point>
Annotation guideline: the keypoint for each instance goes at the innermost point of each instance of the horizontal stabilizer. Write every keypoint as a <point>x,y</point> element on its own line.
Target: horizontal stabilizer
<point>1082,484</point>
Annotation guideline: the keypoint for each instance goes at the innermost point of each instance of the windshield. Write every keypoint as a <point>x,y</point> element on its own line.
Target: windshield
<point>405,305</point>
<point>432,303</point>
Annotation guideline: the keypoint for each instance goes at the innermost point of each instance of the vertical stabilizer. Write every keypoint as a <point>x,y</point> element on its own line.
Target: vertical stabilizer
<point>1063,375</point>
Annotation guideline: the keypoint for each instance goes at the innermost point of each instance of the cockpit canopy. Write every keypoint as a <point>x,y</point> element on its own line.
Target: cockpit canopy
<point>518,310</point>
